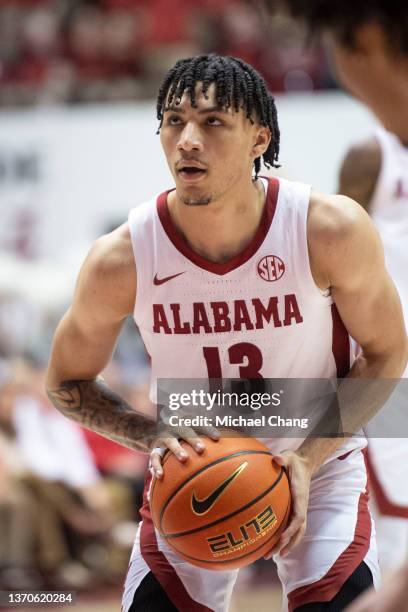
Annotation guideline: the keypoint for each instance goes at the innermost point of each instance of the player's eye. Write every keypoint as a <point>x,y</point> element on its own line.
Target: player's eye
<point>174,120</point>
<point>214,121</point>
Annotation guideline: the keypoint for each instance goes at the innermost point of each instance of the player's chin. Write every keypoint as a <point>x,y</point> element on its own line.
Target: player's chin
<point>194,197</point>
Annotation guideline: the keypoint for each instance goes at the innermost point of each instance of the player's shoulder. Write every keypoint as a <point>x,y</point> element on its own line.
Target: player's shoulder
<point>108,276</point>
<point>334,218</point>
<point>341,238</point>
<point>111,256</point>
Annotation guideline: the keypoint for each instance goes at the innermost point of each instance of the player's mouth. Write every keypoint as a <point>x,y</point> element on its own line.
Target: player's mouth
<point>191,172</point>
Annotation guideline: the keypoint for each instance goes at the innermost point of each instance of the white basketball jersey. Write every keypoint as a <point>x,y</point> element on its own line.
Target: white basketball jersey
<point>258,315</point>
<point>389,210</point>
<point>390,197</point>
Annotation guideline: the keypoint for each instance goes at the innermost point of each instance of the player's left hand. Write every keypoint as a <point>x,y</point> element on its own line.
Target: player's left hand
<point>299,474</point>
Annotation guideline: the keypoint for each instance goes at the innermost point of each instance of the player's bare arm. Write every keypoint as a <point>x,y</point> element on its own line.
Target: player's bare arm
<point>84,342</point>
<point>359,171</point>
<point>347,257</point>
<point>85,339</point>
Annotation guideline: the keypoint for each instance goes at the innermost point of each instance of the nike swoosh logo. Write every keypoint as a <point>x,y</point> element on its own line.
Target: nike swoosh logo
<point>160,281</point>
<point>201,506</point>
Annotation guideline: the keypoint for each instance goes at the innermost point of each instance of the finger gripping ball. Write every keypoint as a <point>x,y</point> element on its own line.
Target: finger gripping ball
<point>222,509</point>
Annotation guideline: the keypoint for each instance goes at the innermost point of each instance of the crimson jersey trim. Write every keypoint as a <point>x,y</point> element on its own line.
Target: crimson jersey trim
<point>237,260</point>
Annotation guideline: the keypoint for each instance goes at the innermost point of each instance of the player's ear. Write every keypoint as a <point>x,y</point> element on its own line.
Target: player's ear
<point>263,138</point>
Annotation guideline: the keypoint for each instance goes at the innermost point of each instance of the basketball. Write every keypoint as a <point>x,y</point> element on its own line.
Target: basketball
<point>222,509</point>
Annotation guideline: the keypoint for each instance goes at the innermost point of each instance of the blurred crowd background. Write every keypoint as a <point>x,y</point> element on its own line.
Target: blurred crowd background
<point>69,498</point>
<point>72,51</point>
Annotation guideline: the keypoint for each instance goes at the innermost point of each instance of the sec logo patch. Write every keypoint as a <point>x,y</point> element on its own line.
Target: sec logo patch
<point>271,268</point>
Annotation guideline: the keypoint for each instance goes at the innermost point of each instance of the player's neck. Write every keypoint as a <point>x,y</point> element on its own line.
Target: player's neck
<point>223,228</point>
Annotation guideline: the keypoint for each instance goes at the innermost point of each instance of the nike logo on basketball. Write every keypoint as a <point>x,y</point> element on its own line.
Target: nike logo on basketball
<point>201,506</point>
<point>160,281</point>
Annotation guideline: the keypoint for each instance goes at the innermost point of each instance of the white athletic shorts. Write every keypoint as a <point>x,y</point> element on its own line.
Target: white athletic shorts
<point>339,536</point>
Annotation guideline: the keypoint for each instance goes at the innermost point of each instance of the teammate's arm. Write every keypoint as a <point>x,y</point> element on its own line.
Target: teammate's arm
<point>359,171</point>
<point>347,256</point>
<point>392,596</point>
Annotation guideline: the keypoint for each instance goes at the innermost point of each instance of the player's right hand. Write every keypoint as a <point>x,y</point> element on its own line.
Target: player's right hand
<point>170,440</point>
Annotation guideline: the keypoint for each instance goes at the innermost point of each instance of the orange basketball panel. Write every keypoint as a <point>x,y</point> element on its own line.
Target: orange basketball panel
<point>239,539</point>
<point>224,508</point>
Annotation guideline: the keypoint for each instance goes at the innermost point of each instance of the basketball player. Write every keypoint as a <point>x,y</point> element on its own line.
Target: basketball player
<point>367,42</point>
<point>195,252</point>
<point>375,173</point>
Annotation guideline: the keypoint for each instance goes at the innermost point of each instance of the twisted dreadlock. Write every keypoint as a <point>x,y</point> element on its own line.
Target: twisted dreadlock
<point>237,85</point>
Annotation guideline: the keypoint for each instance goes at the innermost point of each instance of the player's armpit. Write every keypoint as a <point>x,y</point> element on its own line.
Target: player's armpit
<point>359,171</point>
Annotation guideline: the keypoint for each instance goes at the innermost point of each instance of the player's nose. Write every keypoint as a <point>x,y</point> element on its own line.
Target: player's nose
<point>190,138</point>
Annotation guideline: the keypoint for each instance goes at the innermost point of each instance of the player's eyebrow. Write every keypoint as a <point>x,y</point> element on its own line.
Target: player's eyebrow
<point>212,109</point>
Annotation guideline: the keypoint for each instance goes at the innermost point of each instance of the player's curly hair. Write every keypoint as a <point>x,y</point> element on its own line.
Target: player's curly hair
<point>344,17</point>
<point>237,84</point>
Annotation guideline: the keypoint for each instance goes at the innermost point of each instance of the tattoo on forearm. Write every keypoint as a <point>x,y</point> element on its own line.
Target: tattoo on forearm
<point>67,398</point>
<point>92,404</point>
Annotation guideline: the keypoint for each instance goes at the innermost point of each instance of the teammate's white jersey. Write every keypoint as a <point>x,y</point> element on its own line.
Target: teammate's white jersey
<point>387,456</point>
<point>390,198</point>
<point>258,315</point>
<point>389,210</point>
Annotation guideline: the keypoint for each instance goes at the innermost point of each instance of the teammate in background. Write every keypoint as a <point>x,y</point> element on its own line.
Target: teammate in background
<point>204,305</point>
<point>375,173</point>
<point>368,45</point>
<point>391,597</point>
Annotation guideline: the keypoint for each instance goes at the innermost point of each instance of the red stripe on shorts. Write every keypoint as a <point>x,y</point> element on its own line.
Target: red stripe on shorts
<point>330,584</point>
<point>158,564</point>
<point>384,504</point>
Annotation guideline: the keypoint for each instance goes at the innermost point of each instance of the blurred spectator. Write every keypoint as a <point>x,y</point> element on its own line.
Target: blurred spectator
<point>112,50</point>
<point>38,44</point>
<point>61,523</point>
<point>17,523</point>
<point>239,32</point>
